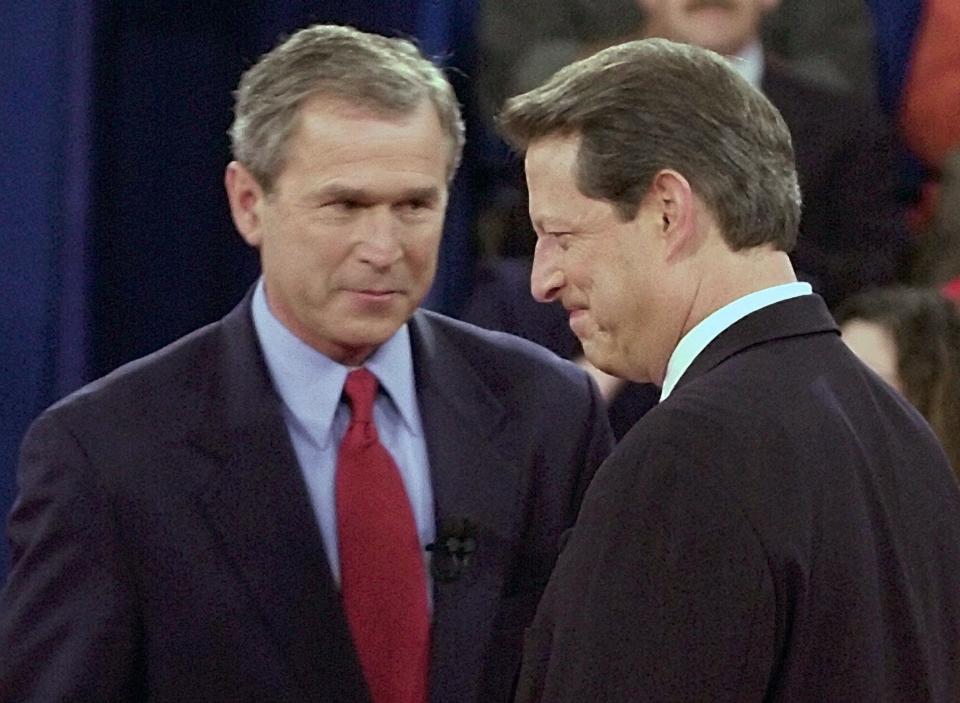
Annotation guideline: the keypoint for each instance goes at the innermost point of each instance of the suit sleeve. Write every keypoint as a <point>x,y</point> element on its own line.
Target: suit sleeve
<point>67,624</point>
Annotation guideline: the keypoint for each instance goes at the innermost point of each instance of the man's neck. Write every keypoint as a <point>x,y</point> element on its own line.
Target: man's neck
<point>731,276</point>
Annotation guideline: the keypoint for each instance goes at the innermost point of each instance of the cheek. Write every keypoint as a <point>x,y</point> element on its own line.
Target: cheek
<point>422,249</point>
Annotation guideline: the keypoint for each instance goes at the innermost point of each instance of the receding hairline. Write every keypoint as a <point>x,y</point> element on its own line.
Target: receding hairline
<point>383,75</point>
<point>334,102</point>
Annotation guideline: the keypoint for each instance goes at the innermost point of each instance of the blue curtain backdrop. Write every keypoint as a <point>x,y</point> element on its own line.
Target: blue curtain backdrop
<point>117,236</point>
<point>45,54</point>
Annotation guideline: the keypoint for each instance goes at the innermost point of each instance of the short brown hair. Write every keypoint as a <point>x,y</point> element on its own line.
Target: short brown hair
<point>388,76</point>
<point>654,104</point>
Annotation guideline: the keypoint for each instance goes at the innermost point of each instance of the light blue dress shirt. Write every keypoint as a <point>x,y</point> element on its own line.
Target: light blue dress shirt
<point>749,63</point>
<point>310,386</point>
<point>699,336</point>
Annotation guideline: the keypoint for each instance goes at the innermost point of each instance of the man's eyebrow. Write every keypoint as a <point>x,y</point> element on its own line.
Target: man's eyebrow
<point>548,223</point>
<point>361,195</point>
<point>424,194</point>
<point>340,192</point>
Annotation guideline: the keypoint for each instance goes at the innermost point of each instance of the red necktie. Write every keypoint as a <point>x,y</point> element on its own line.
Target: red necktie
<point>381,560</point>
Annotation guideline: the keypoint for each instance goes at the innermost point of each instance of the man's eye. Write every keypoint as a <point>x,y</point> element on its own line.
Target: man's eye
<point>413,207</point>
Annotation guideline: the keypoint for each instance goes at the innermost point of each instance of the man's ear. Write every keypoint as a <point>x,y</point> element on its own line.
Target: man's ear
<point>246,198</point>
<point>676,204</point>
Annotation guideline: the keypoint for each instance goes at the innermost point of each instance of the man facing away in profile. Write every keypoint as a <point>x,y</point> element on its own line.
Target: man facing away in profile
<point>783,526</point>
<point>328,495</point>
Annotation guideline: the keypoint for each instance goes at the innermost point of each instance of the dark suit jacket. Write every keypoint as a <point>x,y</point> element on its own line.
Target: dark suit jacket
<point>783,527</point>
<point>165,548</point>
<point>853,232</point>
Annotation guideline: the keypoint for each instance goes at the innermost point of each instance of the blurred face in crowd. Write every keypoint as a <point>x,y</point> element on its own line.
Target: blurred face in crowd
<point>350,232</point>
<point>612,276</point>
<point>724,26</point>
<point>875,346</point>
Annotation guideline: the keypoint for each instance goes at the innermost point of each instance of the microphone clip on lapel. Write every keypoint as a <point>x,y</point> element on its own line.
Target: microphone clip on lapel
<point>453,550</point>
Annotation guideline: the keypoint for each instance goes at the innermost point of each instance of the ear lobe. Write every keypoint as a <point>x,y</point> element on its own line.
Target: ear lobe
<point>245,196</point>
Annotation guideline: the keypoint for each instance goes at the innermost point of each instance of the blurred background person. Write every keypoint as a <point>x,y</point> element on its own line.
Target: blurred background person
<point>930,121</point>
<point>852,235</point>
<point>911,338</point>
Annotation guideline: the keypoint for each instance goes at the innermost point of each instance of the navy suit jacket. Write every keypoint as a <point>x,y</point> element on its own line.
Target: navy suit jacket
<point>783,527</point>
<point>165,548</point>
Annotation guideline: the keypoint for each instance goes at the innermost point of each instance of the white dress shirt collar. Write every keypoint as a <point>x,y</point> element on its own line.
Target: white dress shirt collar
<point>708,329</point>
<point>749,62</point>
<point>310,383</point>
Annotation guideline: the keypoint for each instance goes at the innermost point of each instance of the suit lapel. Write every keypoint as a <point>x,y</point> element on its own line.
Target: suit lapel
<point>257,502</point>
<point>472,478</point>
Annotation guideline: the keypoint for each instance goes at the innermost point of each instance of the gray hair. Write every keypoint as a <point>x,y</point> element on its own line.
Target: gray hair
<point>649,105</point>
<point>388,76</point>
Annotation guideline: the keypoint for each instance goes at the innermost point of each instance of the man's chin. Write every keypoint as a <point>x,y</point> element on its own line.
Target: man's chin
<point>595,354</point>
<point>611,362</point>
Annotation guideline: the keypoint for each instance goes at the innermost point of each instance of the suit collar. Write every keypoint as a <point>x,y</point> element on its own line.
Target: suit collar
<point>309,383</point>
<point>697,338</point>
<point>807,314</point>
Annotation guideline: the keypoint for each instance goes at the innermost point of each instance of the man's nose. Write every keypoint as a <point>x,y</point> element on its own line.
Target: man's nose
<point>546,279</point>
<point>380,246</point>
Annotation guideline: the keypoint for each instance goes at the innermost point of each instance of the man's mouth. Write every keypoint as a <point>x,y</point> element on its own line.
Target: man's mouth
<point>577,320</point>
<point>695,5</point>
<point>374,295</point>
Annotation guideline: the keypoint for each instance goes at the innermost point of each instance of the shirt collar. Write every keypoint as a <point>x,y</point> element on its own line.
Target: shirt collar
<point>708,329</point>
<point>749,62</point>
<point>310,383</point>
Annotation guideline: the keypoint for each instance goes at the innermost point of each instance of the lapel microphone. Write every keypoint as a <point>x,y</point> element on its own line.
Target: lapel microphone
<point>453,550</point>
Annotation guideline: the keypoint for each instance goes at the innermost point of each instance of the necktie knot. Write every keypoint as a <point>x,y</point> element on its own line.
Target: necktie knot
<point>361,390</point>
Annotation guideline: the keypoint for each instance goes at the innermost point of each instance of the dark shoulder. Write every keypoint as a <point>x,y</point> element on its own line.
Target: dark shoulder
<point>780,82</point>
<point>502,359</point>
<point>152,387</point>
<point>813,107</point>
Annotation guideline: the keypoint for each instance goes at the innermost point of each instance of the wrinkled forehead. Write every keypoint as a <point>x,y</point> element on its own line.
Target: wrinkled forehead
<point>351,109</point>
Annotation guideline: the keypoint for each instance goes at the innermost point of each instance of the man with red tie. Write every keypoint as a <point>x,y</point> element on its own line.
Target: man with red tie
<point>329,494</point>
